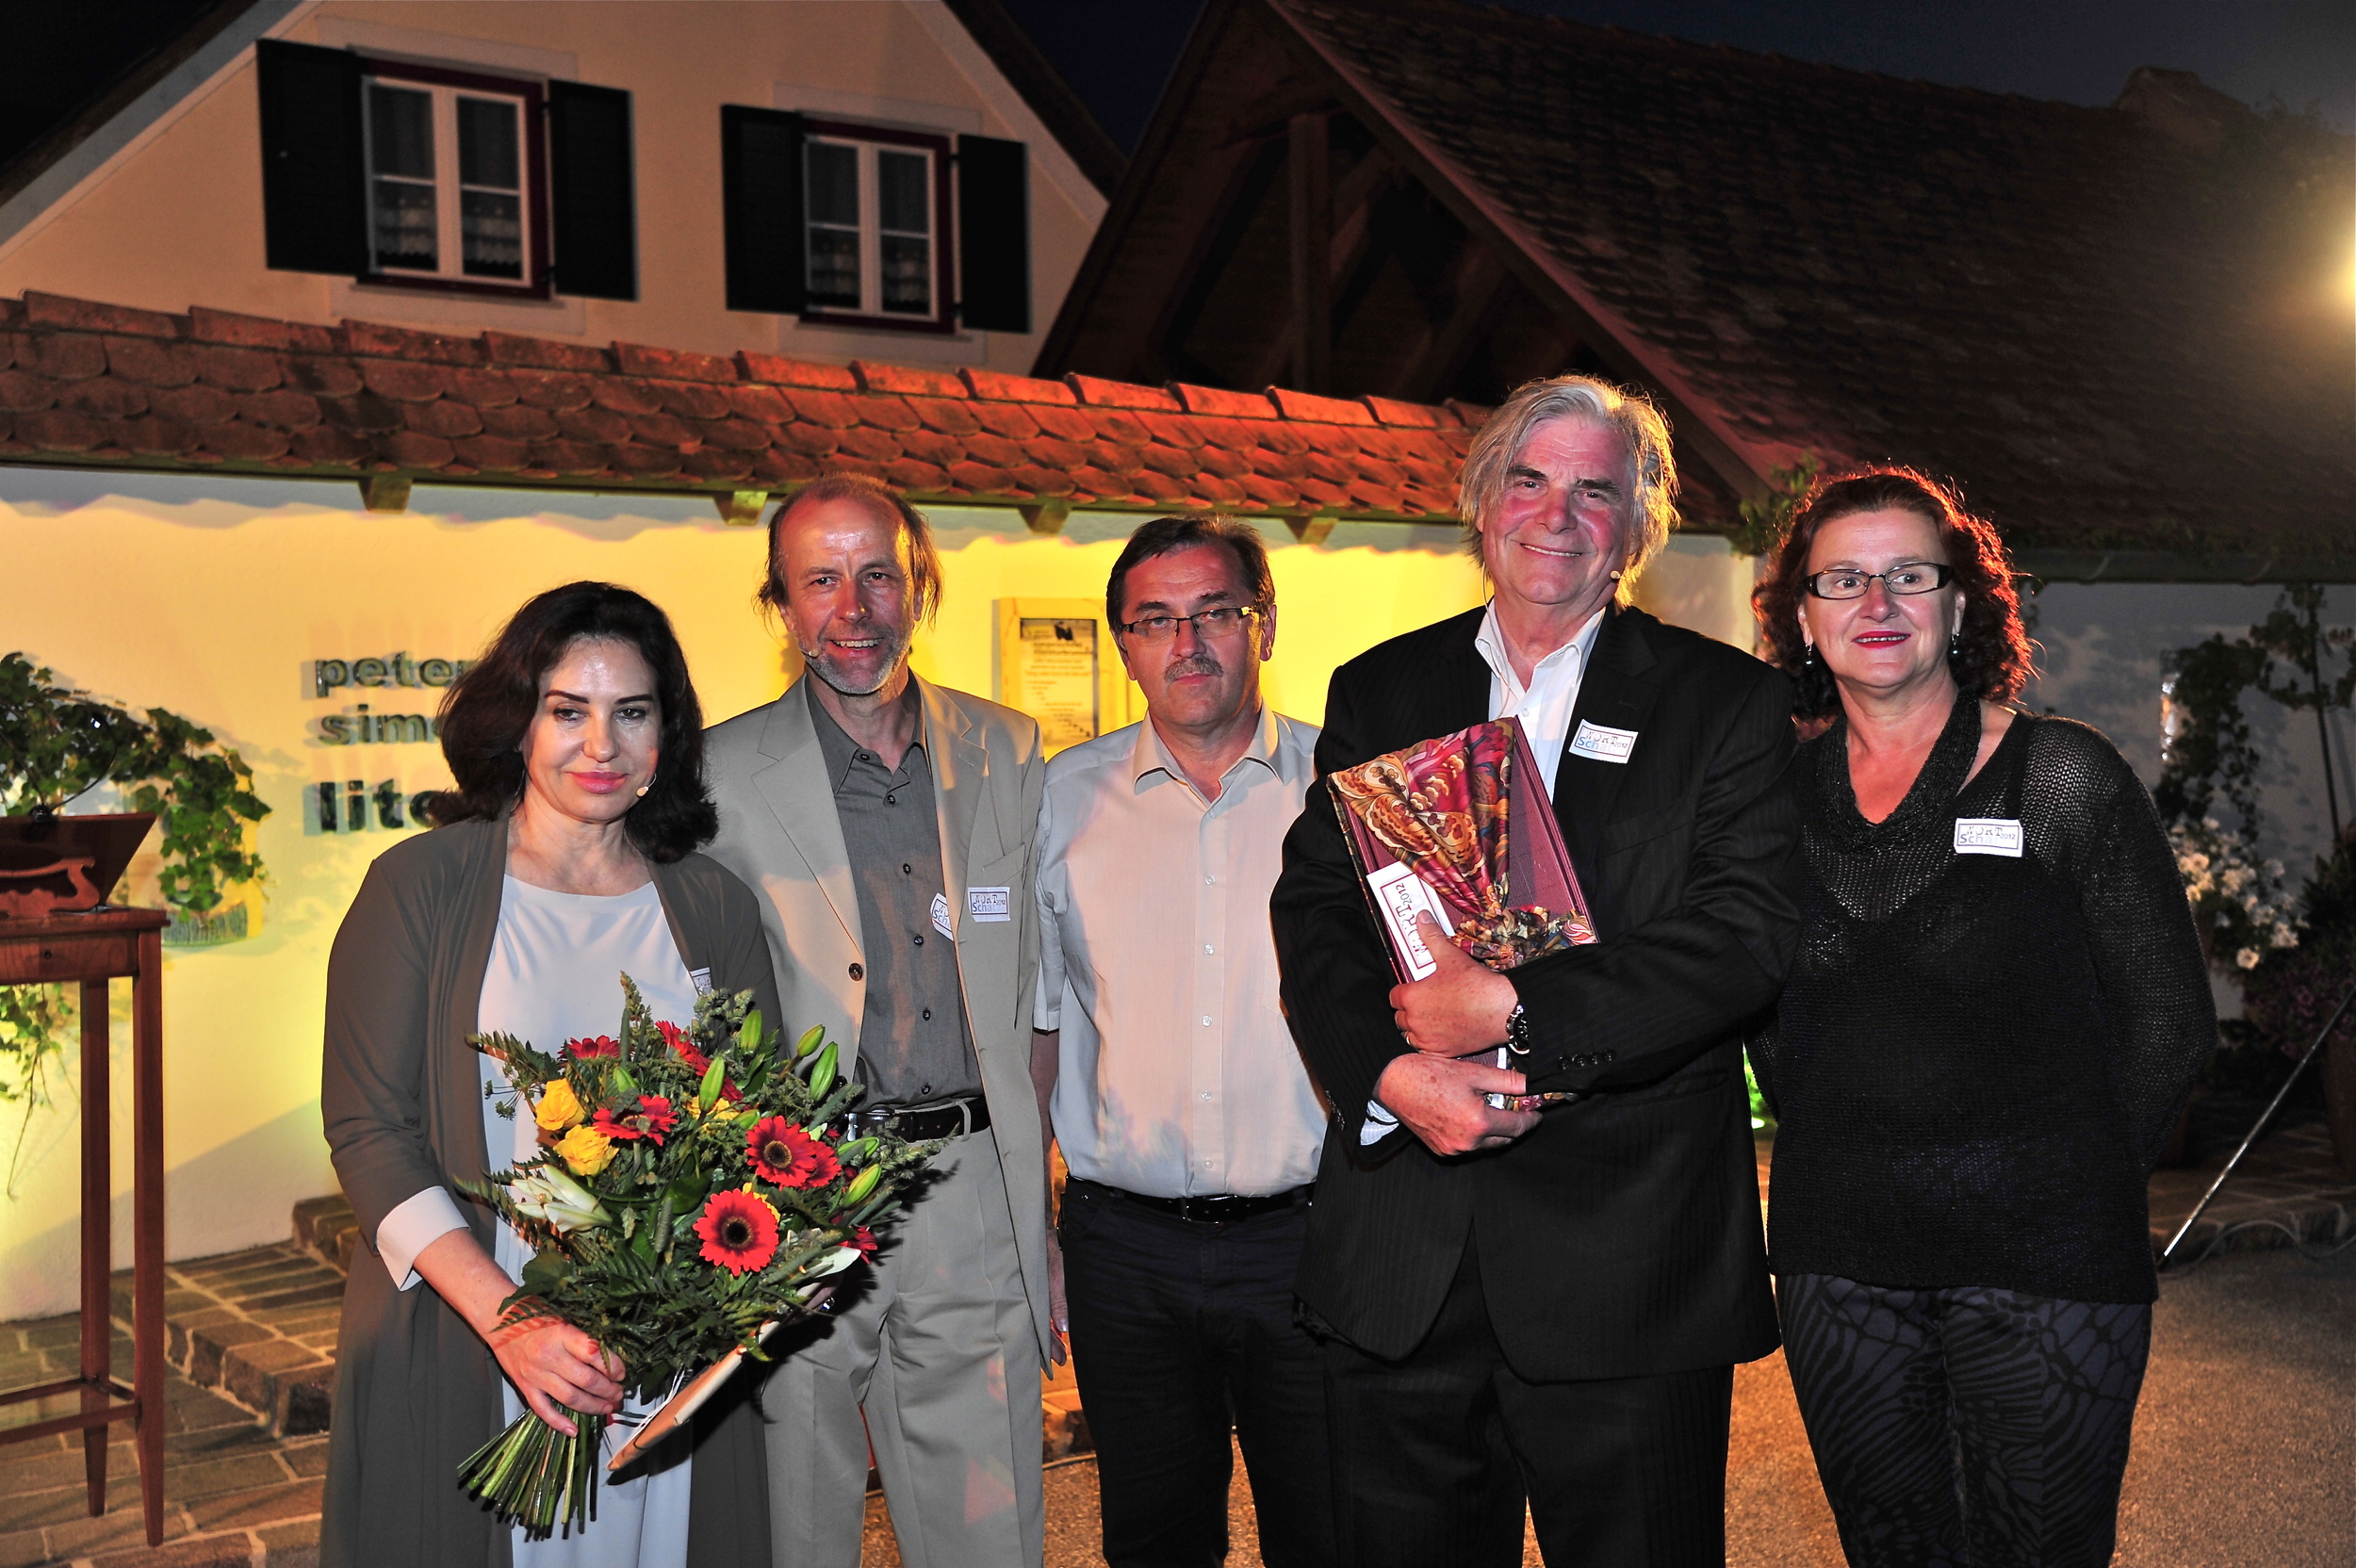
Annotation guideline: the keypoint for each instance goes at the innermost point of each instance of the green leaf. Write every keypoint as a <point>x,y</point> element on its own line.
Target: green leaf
<point>545,1271</point>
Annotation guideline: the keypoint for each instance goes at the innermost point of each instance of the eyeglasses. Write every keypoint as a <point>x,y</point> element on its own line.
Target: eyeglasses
<point>1223,622</point>
<point>1913,577</point>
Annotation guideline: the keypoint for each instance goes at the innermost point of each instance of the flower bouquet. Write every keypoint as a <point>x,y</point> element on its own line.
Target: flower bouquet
<point>690,1196</point>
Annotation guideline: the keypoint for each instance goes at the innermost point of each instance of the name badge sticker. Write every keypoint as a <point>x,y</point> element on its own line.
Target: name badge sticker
<point>1603,745</point>
<point>941,916</point>
<point>986,905</point>
<point>1987,836</point>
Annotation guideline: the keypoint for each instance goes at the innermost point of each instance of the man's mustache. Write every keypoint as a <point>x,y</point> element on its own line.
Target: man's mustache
<point>1199,665</point>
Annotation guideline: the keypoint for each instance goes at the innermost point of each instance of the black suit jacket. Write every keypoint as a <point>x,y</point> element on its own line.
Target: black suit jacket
<point>1621,1238</point>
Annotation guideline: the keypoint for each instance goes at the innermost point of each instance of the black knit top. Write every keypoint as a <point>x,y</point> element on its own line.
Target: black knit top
<point>1978,1055</point>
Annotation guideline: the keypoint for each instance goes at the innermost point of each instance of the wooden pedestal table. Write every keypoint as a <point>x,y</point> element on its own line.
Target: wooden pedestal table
<point>90,949</point>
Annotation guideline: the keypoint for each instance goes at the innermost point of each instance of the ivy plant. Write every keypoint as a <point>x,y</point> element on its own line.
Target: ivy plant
<point>56,744</point>
<point>1766,520</point>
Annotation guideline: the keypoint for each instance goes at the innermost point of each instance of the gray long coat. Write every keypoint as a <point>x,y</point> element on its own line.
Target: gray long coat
<point>417,1390</point>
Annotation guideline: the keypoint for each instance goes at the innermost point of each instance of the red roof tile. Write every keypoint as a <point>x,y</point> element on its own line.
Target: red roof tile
<point>84,382</point>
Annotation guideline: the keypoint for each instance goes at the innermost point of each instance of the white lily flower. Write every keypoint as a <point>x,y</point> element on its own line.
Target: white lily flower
<point>844,1258</point>
<point>553,1198</point>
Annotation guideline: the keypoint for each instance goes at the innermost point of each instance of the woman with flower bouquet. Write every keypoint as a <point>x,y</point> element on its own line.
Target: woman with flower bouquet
<point>565,856</point>
<point>677,1216</point>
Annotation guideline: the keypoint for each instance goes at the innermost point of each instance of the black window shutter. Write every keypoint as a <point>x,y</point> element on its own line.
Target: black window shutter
<point>761,198</point>
<point>592,192</point>
<point>994,233</point>
<point>315,216</point>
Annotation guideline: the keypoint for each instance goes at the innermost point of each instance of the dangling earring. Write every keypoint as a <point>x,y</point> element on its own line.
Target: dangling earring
<point>1810,663</point>
<point>1955,644</point>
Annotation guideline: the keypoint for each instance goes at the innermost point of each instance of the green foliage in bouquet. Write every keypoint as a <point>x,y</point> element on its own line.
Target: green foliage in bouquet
<point>692,1196</point>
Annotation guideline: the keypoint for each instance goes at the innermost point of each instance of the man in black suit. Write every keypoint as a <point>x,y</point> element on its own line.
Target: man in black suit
<point>1549,1304</point>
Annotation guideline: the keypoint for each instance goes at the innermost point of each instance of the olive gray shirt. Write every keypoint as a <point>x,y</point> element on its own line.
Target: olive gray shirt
<point>914,1046</point>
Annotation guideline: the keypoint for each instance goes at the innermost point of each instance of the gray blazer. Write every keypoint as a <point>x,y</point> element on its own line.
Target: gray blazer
<point>779,832</point>
<point>417,1390</point>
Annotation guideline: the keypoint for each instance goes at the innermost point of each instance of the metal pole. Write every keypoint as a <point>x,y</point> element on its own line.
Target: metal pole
<point>2259,1126</point>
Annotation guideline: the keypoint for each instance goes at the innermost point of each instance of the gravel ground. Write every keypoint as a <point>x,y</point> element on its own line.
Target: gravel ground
<point>2244,1450</point>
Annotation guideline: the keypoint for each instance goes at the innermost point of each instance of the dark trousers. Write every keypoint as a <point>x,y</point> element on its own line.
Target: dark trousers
<point>1435,1456</point>
<point>1183,1332</point>
<point>1969,1426</point>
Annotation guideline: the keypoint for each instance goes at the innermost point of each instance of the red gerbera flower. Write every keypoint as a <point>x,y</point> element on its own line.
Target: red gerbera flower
<point>865,1241</point>
<point>739,1230</point>
<point>602,1045</point>
<point>697,1060</point>
<point>786,1155</point>
<point>651,1120</point>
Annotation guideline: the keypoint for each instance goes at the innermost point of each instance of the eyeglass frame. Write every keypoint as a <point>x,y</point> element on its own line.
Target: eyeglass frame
<point>1246,616</point>
<point>1943,575</point>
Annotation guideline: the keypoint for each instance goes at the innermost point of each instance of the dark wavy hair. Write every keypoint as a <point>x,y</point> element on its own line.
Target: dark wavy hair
<point>488,710</point>
<point>1990,658</point>
<point>1165,534</point>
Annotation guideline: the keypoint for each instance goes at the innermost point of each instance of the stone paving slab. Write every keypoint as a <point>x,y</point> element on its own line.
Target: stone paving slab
<point>257,1327</point>
<point>2287,1191</point>
<point>233,1492</point>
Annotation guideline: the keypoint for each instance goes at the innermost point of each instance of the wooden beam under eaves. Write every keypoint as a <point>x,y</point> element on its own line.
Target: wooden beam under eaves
<point>1309,180</point>
<point>385,492</point>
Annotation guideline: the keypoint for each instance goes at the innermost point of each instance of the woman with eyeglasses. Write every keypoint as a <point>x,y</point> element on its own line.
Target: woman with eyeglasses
<point>1997,1008</point>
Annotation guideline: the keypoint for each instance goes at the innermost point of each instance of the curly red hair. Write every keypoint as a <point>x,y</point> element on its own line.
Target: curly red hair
<point>1991,656</point>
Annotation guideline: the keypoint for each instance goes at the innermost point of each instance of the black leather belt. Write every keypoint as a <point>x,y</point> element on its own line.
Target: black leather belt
<point>950,1120</point>
<point>1219,1208</point>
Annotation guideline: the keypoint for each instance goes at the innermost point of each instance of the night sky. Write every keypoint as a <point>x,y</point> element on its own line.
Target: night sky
<point>1117,52</point>
<point>2303,52</point>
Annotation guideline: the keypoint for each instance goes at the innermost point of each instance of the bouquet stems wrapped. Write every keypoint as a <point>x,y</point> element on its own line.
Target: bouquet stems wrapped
<point>691,1196</point>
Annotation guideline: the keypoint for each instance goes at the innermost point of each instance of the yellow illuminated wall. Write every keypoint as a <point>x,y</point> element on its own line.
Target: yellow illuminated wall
<point>214,597</point>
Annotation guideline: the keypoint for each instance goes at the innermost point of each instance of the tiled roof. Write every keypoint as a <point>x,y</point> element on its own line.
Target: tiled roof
<point>2118,336</point>
<point>87,384</point>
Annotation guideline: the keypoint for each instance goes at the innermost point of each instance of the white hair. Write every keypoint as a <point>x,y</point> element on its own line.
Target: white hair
<point>1539,403</point>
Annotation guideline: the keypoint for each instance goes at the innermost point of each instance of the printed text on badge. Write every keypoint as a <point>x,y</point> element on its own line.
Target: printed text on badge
<point>989,904</point>
<point>1987,836</point>
<point>1604,746</point>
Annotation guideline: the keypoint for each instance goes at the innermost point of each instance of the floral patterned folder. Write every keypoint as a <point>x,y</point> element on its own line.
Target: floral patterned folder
<point>1430,828</point>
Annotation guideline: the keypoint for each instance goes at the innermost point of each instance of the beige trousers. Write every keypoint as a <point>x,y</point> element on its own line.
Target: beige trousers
<point>935,1347</point>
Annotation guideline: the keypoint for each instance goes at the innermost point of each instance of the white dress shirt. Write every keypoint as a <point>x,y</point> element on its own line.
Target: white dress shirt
<point>1544,705</point>
<point>1178,1076</point>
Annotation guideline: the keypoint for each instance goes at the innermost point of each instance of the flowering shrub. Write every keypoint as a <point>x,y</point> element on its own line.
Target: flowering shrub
<point>2238,903</point>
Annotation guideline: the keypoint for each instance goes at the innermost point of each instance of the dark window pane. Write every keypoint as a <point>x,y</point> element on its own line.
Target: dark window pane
<point>908,275</point>
<point>833,188</point>
<point>492,230</point>
<point>400,131</point>
<point>904,192</point>
<point>486,143</point>
<point>404,224</point>
<point>834,267</point>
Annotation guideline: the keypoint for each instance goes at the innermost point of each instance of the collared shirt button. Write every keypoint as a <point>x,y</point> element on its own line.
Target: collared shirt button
<point>920,939</point>
<point>906,870</point>
<point>1209,880</point>
<point>1206,1094</point>
<point>928,1013</point>
<point>1206,1023</point>
<point>1207,948</point>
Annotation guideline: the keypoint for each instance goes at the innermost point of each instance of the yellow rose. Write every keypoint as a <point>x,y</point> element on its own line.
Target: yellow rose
<point>586,1151</point>
<point>559,1108</point>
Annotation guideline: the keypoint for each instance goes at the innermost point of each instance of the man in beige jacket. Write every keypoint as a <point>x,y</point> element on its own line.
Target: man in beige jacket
<point>886,823</point>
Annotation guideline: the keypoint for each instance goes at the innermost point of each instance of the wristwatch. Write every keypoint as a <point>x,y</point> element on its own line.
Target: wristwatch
<point>1518,1031</point>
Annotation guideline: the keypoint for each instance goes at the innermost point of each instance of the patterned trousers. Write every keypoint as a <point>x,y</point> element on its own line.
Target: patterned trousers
<point>1966,1428</point>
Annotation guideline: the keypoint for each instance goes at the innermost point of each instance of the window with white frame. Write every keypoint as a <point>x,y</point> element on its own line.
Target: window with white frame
<point>876,207</point>
<point>451,180</point>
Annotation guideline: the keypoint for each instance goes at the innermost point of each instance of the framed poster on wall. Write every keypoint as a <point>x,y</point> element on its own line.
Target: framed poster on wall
<point>1057,664</point>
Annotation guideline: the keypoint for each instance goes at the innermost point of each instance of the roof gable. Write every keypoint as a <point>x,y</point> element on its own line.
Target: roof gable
<point>2070,310</point>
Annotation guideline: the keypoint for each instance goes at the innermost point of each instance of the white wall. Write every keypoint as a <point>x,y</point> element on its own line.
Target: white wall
<point>211,597</point>
<point>175,219</point>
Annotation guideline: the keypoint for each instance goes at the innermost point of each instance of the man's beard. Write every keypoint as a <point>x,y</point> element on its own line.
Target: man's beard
<point>823,666</point>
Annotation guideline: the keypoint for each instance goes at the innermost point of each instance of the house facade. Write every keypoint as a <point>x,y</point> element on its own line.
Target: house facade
<point>828,181</point>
